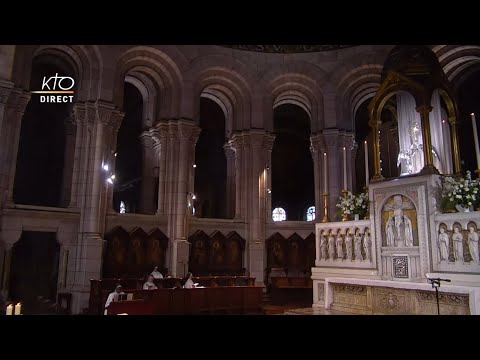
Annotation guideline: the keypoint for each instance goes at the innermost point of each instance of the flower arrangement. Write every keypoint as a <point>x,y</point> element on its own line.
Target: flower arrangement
<point>353,204</point>
<point>462,191</point>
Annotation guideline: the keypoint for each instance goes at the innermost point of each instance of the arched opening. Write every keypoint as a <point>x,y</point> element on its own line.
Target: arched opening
<point>128,163</point>
<point>292,164</point>
<point>34,273</point>
<point>468,103</point>
<point>211,164</point>
<point>310,215</point>
<point>42,156</point>
<point>279,214</point>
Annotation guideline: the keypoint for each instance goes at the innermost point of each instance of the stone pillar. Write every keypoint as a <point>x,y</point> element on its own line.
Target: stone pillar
<point>99,121</point>
<point>230,200</point>
<point>12,123</point>
<point>68,160</point>
<point>237,144</point>
<point>187,135</point>
<point>334,166</point>
<point>456,145</point>
<point>160,135</point>
<point>147,191</point>
<point>429,168</point>
<point>6,255</point>
<point>268,142</point>
<point>317,150</point>
<point>79,115</point>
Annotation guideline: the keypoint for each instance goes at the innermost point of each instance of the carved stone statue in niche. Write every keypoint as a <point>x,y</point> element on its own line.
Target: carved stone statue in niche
<point>358,246</point>
<point>457,238</point>
<point>323,247</point>
<point>400,220</point>
<point>473,243</point>
<point>331,246</point>
<point>367,245</point>
<point>443,244</point>
<point>339,243</point>
<point>349,245</point>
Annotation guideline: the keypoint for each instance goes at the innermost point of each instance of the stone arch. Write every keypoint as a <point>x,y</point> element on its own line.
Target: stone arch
<point>85,60</point>
<point>295,83</point>
<point>149,92</point>
<point>227,82</point>
<point>163,73</point>
<point>457,61</point>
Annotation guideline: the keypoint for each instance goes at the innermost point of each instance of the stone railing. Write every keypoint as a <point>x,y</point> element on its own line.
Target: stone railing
<point>455,242</point>
<point>346,244</point>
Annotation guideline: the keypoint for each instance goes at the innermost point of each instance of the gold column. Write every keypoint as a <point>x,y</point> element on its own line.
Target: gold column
<point>376,153</point>
<point>325,208</point>
<point>457,168</point>
<point>424,111</point>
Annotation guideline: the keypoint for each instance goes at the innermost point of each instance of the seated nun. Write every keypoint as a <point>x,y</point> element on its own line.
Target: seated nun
<point>149,285</point>
<point>156,274</point>
<point>188,282</point>
<point>113,296</point>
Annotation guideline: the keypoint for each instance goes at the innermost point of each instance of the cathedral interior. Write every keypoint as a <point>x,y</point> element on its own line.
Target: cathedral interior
<point>228,161</point>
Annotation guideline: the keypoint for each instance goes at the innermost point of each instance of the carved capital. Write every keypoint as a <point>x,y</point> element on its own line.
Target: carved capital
<point>18,100</point>
<point>256,138</point>
<point>79,113</point>
<point>229,150</point>
<point>146,139</point>
<point>317,143</point>
<point>331,138</point>
<point>268,141</point>
<point>116,120</point>
<point>5,90</point>
<point>424,109</point>
<point>237,142</point>
<point>348,142</point>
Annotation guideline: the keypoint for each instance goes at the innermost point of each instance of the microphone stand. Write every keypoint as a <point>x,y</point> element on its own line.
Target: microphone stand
<point>435,285</point>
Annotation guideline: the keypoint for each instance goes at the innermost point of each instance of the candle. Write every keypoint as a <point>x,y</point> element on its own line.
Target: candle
<point>18,309</point>
<point>344,168</point>
<point>475,138</point>
<point>9,310</point>
<point>325,185</point>
<point>367,176</point>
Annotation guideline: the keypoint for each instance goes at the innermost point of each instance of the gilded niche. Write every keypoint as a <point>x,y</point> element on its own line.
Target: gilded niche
<point>399,222</point>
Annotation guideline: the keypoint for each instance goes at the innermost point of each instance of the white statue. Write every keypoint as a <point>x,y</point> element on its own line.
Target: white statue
<point>358,246</point>
<point>349,245</point>
<point>323,247</point>
<point>408,231</point>
<point>331,246</point>
<point>457,238</point>
<point>443,244</point>
<point>473,243</point>
<point>390,231</point>
<point>399,220</point>
<point>340,246</point>
<point>367,245</point>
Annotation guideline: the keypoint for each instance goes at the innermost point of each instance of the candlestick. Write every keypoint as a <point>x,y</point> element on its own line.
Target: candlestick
<point>344,168</point>
<point>367,175</point>
<point>325,208</point>
<point>9,310</point>
<point>325,178</point>
<point>18,309</point>
<point>475,138</point>
<point>344,215</point>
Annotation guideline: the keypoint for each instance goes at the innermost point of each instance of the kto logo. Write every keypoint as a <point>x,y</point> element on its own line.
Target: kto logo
<point>56,85</point>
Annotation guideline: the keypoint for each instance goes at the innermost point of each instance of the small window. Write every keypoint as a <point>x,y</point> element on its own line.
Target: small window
<point>311,213</point>
<point>279,214</point>
<point>122,208</point>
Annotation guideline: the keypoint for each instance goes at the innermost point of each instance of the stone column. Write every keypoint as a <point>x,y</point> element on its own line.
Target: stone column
<point>100,122</point>
<point>268,142</point>
<point>188,135</point>
<point>147,191</point>
<point>68,160</point>
<point>14,110</point>
<point>159,136</point>
<point>6,255</point>
<point>79,115</point>
<point>456,145</point>
<point>317,150</point>
<point>424,111</point>
<point>237,144</point>
<point>334,167</point>
<point>230,200</point>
